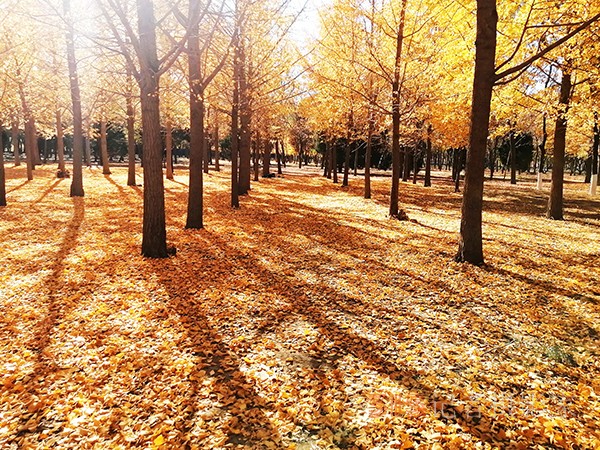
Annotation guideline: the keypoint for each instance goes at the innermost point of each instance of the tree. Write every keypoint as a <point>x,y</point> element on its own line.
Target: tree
<point>470,248</point>
<point>77,180</point>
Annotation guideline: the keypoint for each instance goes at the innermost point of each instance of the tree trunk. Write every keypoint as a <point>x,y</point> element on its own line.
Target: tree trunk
<point>327,161</point>
<point>555,202</point>
<point>334,163</point>
<point>470,247</point>
<point>104,148</point>
<point>60,145</point>
<point>267,148</point>
<point>427,182</point>
<point>368,157</point>
<point>30,143</point>
<point>195,210</point>
<point>255,158</point>
<point>595,146</point>
<point>513,157</point>
<point>245,122</point>
<point>15,142</point>
<point>217,148</point>
<point>130,133</point>
<point>169,149</point>
<point>278,156</point>
<point>235,139</point>
<point>346,163</point>
<point>2,174</point>
<point>77,178</point>
<point>154,238</point>
<point>394,209</point>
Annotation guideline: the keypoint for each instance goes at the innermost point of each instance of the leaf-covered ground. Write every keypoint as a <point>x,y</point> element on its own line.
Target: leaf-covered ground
<point>304,320</point>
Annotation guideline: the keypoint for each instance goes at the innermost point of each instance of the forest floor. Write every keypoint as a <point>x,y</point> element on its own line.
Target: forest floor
<point>304,320</point>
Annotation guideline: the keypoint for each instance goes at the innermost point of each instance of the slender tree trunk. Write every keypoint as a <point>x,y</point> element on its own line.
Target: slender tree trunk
<point>427,182</point>
<point>195,213</point>
<point>278,156</point>
<point>470,247</point>
<point>555,202</point>
<point>2,174</point>
<point>394,209</point>
<point>154,238</point>
<point>334,163</point>
<point>255,158</point>
<point>346,163</point>
<point>15,142</point>
<point>217,148</point>
<point>104,148</point>
<point>60,144</point>
<point>169,149</point>
<point>368,157</point>
<point>327,161</point>
<point>513,157</point>
<point>130,132</point>
<point>245,123</point>
<point>77,179</point>
<point>595,146</point>
<point>235,138</point>
<point>30,143</point>
<point>267,148</point>
<point>415,156</point>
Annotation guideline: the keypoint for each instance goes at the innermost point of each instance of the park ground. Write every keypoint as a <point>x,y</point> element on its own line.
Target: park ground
<point>306,319</point>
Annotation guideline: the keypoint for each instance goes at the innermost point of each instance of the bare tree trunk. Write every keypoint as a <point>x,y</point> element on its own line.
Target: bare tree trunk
<point>30,143</point>
<point>368,157</point>
<point>154,238</point>
<point>427,182</point>
<point>266,166</point>
<point>334,163</point>
<point>195,214</point>
<point>555,202</point>
<point>169,149</point>
<point>595,145</point>
<point>394,208</point>
<point>104,148</point>
<point>470,247</point>
<point>346,163</point>
<point>278,156</point>
<point>77,179</point>
<point>130,132</point>
<point>217,148</point>
<point>60,144</point>
<point>513,157</point>
<point>235,139</point>
<point>245,123</point>
<point>15,141</point>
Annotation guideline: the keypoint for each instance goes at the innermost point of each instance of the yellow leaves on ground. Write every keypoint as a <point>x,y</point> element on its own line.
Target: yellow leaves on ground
<point>304,320</point>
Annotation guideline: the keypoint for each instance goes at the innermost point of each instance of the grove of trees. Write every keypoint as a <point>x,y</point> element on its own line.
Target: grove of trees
<point>514,83</point>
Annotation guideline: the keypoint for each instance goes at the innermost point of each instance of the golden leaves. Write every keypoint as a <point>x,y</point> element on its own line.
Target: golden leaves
<point>334,329</point>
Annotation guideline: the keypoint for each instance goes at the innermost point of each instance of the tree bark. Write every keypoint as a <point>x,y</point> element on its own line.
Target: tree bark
<point>368,157</point>
<point>513,157</point>
<point>154,238</point>
<point>334,162</point>
<point>60,144</point>
<point>130,132</point>
<point>278,157</point>
<point>245,122</point>
<point>595,146</point>
<point>195,211</point>
<point>104,148</point>
<point>427,181</point>
<point>555,202</point>
<point>15,142</point>
<point>266,165</point>
<point>346,163</point>
<point>394,209</point>
<point>470,247</point>
<point>77,178</point>
<point>217,148</point>
<point>235,104</point>
<point>169,149</point>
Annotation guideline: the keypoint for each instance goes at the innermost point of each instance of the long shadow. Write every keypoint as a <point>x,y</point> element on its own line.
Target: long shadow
<point>215,357</point>
<point>48,191</point>
<point>16,188</point>
<point>57,308</point>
